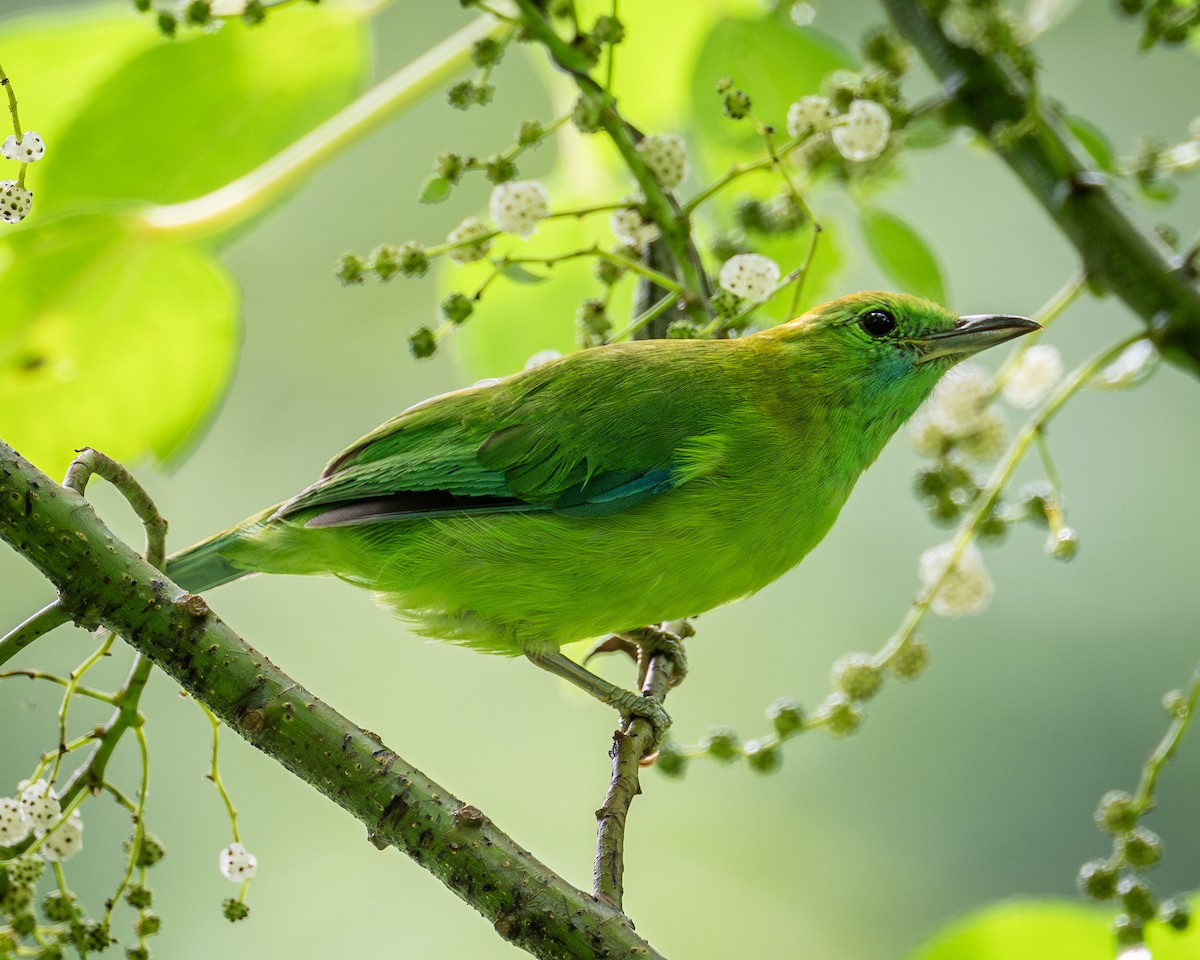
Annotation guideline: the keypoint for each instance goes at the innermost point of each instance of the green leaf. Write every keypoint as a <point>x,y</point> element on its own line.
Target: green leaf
<point>903,255</point>
<point>171,120</point>
<point>435,189</point>
<point>927,132</point>
<point>518,274</point>
<point>1047,930</point>
<point>112,337</point>
<point>1094,141</point>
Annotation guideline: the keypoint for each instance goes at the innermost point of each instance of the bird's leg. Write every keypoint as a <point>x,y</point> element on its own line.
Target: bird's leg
<point>659,641</point>
<point>627,702</point>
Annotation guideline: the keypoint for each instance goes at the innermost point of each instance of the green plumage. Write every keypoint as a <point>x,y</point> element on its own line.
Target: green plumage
<point>612,488</point>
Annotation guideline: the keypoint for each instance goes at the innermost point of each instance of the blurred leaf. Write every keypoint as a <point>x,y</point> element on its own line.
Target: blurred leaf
<point>1043,15</point>
<point>435,189</point>
<point>111,337</point>
<point>173,120</point>
<point>1134,365</point>
<point>903,255</point>
<point>927,132</point>
<point>518,274</point>
<point>1046,930</point>
<point>773,61</point>
<point>1094,140</point>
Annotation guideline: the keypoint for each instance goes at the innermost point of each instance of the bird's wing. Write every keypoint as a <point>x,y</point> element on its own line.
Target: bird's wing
<point>579,442</point>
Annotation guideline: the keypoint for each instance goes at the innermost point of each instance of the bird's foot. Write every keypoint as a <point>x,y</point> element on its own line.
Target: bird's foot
<point>634,707</point>
<point>612,644</point>
<point>657,641</point>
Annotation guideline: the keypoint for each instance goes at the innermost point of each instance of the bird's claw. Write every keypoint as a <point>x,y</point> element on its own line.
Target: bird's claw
<point>659,642</point>
<point>615,643</point>
<point>634,707</point>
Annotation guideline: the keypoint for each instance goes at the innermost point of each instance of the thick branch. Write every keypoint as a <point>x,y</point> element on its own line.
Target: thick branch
<point>98,575</point>
<point>1117,254</point>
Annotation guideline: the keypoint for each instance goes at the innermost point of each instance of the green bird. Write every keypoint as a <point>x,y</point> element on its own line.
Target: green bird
<point>611,489</point>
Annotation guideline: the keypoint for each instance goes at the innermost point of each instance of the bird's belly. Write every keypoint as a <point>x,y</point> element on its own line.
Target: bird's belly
<point>513,582</point>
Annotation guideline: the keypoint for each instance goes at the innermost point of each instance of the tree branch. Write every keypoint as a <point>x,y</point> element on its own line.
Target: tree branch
<point>98,575</point>
<point>1117,254</point>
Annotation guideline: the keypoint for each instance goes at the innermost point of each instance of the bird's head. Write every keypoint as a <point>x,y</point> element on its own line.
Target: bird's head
<point>891,347</point>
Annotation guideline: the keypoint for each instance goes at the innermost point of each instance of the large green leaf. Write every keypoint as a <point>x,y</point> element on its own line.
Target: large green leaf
<point>170,120</point>
<point>903,255</point>
<point>112,337</point>
<point>1046,930</point>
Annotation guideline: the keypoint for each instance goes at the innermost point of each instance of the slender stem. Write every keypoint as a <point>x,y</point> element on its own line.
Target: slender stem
<point>12,103</point>
<point>214,771</point>
<point>1144,797</point>
<point>254,192</point>
<point>78,690</point>
<point>647,317</point>
<point>633,266</point>
<point>69,696</point>
<point>1050,311</point>
<point>25,633</point>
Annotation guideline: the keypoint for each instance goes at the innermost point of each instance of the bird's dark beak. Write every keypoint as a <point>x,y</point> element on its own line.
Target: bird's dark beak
<point>972,334</point>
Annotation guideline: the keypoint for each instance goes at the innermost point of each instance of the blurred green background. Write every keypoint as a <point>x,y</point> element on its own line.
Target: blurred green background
<point>975,783</point>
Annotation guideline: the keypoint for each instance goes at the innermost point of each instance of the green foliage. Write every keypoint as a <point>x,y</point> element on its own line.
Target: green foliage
<point>903,255</point>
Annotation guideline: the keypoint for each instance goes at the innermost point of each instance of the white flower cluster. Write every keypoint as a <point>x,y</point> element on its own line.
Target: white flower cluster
<point>37,810</point>
<point>15,201</point>
<point>518,205</point>
<point>967,588</point>
<point>959,413</point>
<point>862,133</point>
<point>237,864</point>
<point>29,149</point>
<point>1035,375</point>
<point>667,157</point>
<point>750,276</point>
<point>471,233</point>
<point>810,115</point>
<point>629,226</point>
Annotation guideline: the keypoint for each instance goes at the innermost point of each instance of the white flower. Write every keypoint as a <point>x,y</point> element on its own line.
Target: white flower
<point>518,205</point>
<point>541,357</point>
<point>986,439</point>
<point>667,157</point>
<point>803,14</point>
<point>30,149</point>
<point>39,805</point>
<point>65,840</point>
<point>15,201</point>
<point>863,132</point>
<point>966,589</point>
<point>960,398</point>
<point>1138,952</point>
<point>470,233</point>
<point>13,826</point>
<point>236,864</point>
<point>750,276</point>
<point>1035,375</point>
<point>629,226</point>
<point>811,114</point>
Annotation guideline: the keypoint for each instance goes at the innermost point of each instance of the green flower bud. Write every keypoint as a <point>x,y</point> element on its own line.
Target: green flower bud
<point>138,897</point>
<point>608,30</point>
<point>588,48</point>
<point>1117,812</point>
<point>722,743</point>
<point>684,329</point>
<point>670,762</point>
<point>857,676</point>
<point>457,307</point>
<point>592,322</point>
<point>26,870</point>
<point>60,909</point>
<point>530,133</point>
<point>253,13</point>
<point>461,95</point>
<point>724,84</point>
<point>450,166</point>
<point>149,853</point>
<point>500,169</point>
<point>197,13</point>
<point>349,269</point>
<point>608,272</point>
<point>787,716</point>
<point>844,715</point>
<point>736,104</point>
<point>50,951</point>
<point>141,6</point>
<point>1175,704</point>
<point>234,910</point>
<point>752,216</point>
<point>883,47</point>
<point>1137,896</point>
<point>138,952</point>
<point>1176,913</point>
<point>8,944</point>
<point>763,756</point>
<point>1097,879</point>
<point>167,24</point>
<point>383,261</point>
<point>587,114</point>
<point>911,660</point>
<point>94,935</point>
<point>414,261</point>
<point>14,899</point>
<point>422,343</point>
<point>487,52</point>
<point>1129,931</point>
<point>1142,848</point>
<point>23,924</point>
<point>147,924</point>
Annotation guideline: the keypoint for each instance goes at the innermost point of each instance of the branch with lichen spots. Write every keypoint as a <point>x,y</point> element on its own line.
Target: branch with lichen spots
<point>101,580</point>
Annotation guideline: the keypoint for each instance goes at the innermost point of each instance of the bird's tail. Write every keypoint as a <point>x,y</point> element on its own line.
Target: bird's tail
<point>212,562</point>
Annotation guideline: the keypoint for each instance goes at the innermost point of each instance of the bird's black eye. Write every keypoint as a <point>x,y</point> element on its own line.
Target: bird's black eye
<point>877,323</point>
